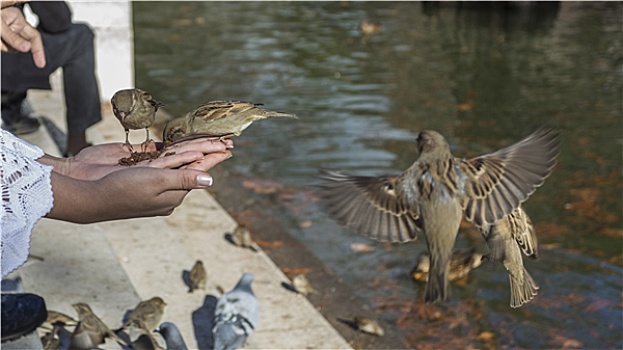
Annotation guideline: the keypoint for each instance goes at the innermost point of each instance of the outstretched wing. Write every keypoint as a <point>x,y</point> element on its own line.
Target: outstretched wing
<point>370,206</point>
<point>497,183</point>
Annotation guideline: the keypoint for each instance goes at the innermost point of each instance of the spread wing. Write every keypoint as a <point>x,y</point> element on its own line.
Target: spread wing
<point>497,183</point>
<point>370,206</point>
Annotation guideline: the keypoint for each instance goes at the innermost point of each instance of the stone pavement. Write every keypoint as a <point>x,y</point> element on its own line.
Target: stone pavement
<point>114,265</point>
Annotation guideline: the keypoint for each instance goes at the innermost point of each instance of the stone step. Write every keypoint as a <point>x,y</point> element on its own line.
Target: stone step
<point>113,265</point>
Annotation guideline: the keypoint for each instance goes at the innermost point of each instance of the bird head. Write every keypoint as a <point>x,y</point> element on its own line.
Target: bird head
<point>82,309</point>
<point>174,130</point>
<point>123,102</point>
<point>429,141</point>
<point>158,302</point>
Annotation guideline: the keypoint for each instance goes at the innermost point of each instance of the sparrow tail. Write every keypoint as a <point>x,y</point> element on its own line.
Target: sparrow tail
<point>522,289</point>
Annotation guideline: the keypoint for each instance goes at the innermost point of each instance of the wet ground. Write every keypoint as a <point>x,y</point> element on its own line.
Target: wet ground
<point>484,75</point>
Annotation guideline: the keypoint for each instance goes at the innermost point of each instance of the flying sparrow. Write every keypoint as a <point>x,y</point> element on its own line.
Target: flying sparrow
<point>235,316</point>
<point>149,312</point>
<point>437,191</point>
<point>506,239</point>
<point>218,119</point>
<point>461,263</point>
<point>135,109</point>
<point>90,331</point>
<point>197,277</point>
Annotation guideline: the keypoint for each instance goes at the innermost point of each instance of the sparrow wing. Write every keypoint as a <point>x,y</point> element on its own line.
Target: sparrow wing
<point>524,233</point>
<point>497,183</point>
<point>216,110</point>
<point>369,206</point>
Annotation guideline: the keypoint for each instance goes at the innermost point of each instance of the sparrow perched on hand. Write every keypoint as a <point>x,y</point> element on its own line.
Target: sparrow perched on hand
<point>235,316</point>
<point>219,119</point>
<point>369,326</point>
<point>506,239</point>
<point>149,312</point>
<point>197,277</point>
<point>242,238</point>
<point>301,285</point>
<point>90,331</point>
<point>436,191</point>
<point>461,263</point>
<point>172,336</point>
<point>135,109</point>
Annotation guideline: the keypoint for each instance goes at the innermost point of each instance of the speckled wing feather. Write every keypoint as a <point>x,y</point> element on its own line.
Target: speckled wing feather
<point>370,206</point>
<point>523,232</point>
<point>216,110</point>
<point>497,183</point>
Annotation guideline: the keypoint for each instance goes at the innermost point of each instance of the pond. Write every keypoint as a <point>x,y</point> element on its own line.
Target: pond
<point>485,75</point>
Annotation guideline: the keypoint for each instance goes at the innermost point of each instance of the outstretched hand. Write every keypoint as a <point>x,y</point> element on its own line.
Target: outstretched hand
<point>97,161</point>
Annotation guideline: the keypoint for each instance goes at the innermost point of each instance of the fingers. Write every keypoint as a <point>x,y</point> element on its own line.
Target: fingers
<point>173,161</point>
<point>203,145</point>
<point>36,45</point>
<point>209,161</point>
<point>21,36</point>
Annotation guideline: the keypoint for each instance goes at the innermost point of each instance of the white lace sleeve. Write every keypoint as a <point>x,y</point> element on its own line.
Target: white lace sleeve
<point>26,197</point>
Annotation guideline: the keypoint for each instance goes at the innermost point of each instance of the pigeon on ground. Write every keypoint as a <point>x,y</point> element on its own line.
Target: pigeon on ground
<point>235,316</point>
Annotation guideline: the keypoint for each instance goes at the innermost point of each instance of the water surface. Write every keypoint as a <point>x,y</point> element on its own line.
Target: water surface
<point>484,75</point>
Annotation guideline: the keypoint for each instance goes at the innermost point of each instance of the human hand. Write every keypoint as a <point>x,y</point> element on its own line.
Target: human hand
<point>128,193</point>
<point>18,35</point>
<point>94,162</point>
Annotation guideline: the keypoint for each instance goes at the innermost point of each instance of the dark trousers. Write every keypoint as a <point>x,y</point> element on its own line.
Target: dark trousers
<point>73,51</point>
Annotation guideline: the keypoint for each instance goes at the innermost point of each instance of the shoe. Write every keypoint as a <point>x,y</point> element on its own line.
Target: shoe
<point>25,125</point>
<point>22,313</point>
<point>16,114</point>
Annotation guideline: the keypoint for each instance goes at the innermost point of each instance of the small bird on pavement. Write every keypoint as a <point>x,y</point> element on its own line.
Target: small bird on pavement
<point>55,317</point>
<point>461,264</point>
<point>437,191</point>
<point>302,285</point>
<point>236,315</point>
<point>50,340</point>
<point>242,238</point>
<point>142,338</point>
<point>149,312</point>
<point>369,326</point>
<point>172,336</point>
<point>506,239</point>
<point>197,277</point>
<point>135,109</point>
<point>90,331</point>
<point>218,119</point>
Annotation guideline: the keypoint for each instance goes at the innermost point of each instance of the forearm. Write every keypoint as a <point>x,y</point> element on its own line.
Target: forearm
<point>74,200</point>
<point>130,193</point>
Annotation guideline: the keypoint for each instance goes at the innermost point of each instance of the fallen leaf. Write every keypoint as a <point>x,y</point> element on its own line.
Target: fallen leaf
<point>361,247</point>
<point>305,224</point>
<point>269,244</point>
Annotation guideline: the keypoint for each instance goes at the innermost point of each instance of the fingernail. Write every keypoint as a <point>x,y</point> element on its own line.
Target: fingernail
<point>204,180</point>
<point>24,47</point>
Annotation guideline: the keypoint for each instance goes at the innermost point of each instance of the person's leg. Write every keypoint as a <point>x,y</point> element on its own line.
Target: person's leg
<point>82,96</point>
<point>21,313</point>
